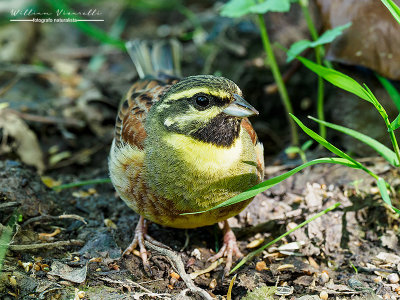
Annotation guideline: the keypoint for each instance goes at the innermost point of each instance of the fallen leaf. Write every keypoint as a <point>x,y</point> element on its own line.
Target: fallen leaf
<point>372,39</point>
<point>25,143</point>
<point>207,270</point>
<point>76,275</point>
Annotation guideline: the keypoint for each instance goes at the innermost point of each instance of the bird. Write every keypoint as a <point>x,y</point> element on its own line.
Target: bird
<point>182,145</point>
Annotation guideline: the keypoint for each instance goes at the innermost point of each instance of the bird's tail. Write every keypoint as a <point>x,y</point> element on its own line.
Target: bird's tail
<point>155,58</point>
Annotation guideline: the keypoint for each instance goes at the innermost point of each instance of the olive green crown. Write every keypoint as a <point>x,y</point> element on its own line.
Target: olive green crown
<point>213,83</point>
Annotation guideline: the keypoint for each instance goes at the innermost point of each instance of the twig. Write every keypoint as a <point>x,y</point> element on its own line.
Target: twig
<point>9,85</point>
<point>24,69</point>
<point>46,119</point>
<point>186,240</point>
<point>47,217</point>
<point>58,244</point>
<point>181,269</point>
<point>9,205</point>
<point>128,282</point>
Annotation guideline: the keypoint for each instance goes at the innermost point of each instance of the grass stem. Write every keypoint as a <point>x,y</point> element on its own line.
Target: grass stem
<point>261,249</point>
<point>81,183</point>
<point>318,57</point>
<point>278,79</point>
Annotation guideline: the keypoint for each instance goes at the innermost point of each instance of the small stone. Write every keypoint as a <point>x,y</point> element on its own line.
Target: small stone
<point>393,278</point>
<point>196,253</point>
<point>81,294</point>
<point>377,279</point>
<point>324,277</point>
<point>323,295</point>
<point>213,284</point>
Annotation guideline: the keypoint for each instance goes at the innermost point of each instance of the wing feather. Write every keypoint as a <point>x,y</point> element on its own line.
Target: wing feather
<point>129,126</point>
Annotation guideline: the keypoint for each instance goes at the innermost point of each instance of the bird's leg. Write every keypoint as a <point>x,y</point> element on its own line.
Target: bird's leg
<point>228,249</point>
<point>138,240</point>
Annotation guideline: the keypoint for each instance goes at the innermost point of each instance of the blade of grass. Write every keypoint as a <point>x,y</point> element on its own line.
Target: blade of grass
<point>261,187</point>
<point>229,294</point>
<point>332,148</point>
<point>270,59</point>
<point>81,183</point>
<point>391,90</point>
<point>396,123</point>
<point>336,78</point>
<point>260,250</point>
<point>382,185</point>
<point>393,8</point>
<point>385,117</point>
<point>339,152</point>
<point>384,151</point>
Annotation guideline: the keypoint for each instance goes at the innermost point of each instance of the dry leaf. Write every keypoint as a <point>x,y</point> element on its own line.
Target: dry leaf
<point>76,275</point>
<point>371,41</point>
<point>25,143</point>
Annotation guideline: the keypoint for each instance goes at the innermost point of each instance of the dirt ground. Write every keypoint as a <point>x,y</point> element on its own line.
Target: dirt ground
<point>323,256</point>
<point>57,126</point>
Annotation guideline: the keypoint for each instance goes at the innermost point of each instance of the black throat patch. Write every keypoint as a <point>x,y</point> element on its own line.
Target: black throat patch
<point>220,131</point>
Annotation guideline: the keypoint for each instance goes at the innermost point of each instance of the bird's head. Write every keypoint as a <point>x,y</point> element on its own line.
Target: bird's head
<point>205,107</point>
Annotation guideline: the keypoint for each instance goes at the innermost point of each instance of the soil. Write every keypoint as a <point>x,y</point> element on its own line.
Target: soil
<point>68,241</point>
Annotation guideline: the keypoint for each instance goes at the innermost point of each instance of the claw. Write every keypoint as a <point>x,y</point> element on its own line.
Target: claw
<point>228,250</point>
<point>140,236</point>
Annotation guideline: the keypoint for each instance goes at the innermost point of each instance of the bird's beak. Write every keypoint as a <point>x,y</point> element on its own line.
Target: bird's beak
<point>240,108</point>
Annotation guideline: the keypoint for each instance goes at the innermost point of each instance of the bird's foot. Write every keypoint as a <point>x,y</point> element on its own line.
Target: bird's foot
<point>228,250</point>
<point>138,240</point>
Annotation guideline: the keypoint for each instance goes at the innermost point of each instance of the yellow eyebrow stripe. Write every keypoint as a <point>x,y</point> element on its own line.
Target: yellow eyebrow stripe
<point>191,92</point>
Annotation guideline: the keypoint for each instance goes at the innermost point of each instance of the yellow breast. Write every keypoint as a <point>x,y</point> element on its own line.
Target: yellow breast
<point>205,158</point>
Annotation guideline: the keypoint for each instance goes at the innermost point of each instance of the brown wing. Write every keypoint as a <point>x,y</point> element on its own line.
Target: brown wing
<point>129,126</point>
<point>258,146</point>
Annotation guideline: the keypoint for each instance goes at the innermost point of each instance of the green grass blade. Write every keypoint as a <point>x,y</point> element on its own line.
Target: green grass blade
<point>260,250</point>
<point>381,183</point>
<point>391,90</point>
<point>393,8</point>
<point>324,142</point>
<point>306,145</point>
<point>396,123</point>
<point>261,187</point>
<point>384,151</point>
<point>336,78</point>
<point>81,183</point>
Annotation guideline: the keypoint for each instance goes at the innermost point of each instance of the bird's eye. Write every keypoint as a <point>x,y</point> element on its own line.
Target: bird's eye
<point>202,101</point>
